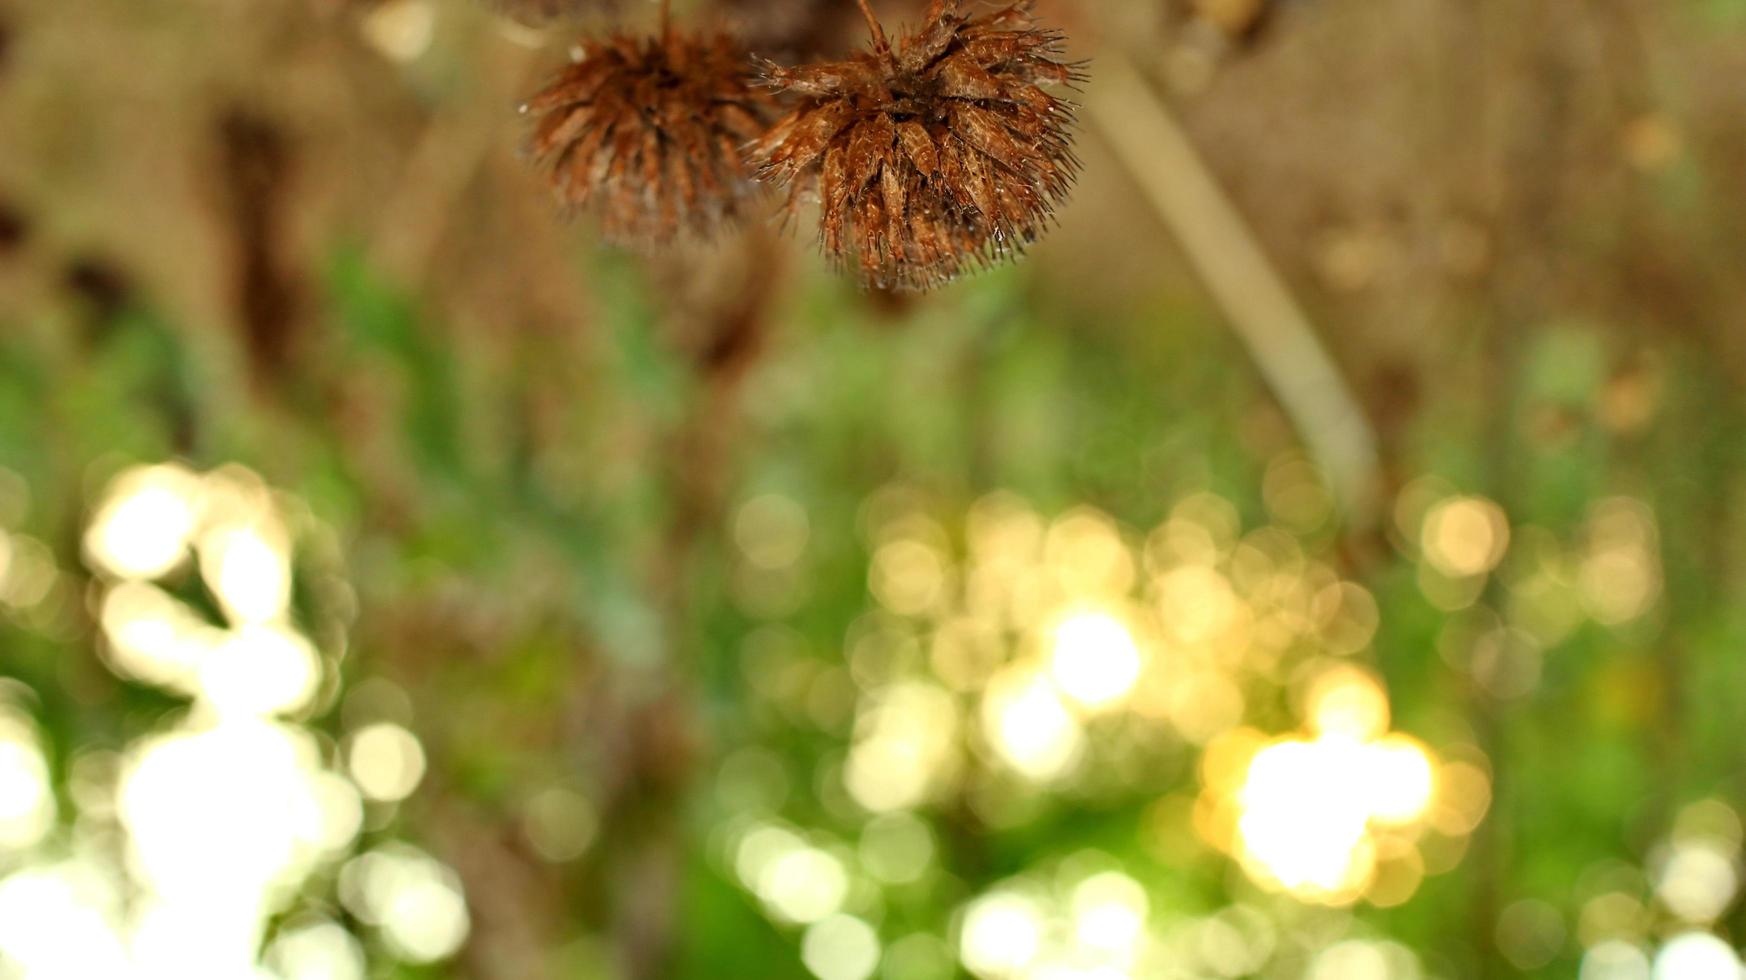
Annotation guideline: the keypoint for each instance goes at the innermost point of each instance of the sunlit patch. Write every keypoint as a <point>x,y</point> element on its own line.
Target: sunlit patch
<point>255,670</point>
<point>226,813</point>
<point>1697,880</point>
<point>1696,956</point>
<point>169,937</point>
<point>1462,799</point>
<point>146,521</point>
<point>1092,924</point>
<point>1304,820</point>
<point>1074,648</point>
<point>1358,959</point>
<point>27,802</point>
<point>904,746</point>
<point>1710,821</point>
<point>1615,959</point>
<point>401,29</point>
<point>248,568</point>
<point>414,900</point>
<point>385,761</point>
<point>1095,659</point>
<point>62,920</point>
<point>797,882</point>
<point>1028,725</point>
<point>223,813</point>
<point>259,670</point>
<point>154,637</point>
<point>1465,536</point>
<point>1402,783</point>
<point>1349,702</point>
<point>1329,818</point>
<point>318,950</point>
<point>1002,933</point>
<point>841,947</point>
<point>1109,916</point>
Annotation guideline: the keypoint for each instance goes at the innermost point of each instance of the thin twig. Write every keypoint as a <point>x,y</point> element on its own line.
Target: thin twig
<point>1244,283</point>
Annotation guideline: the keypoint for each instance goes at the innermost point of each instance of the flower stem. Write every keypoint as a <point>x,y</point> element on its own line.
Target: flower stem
<point>880,44</point>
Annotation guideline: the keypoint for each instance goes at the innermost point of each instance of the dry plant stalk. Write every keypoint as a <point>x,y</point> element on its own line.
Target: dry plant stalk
<point>650,132</point>
<point>939,154</point>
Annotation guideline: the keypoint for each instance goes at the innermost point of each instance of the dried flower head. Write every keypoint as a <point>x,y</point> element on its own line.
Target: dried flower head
<point>941,153</point>
<point>651,131</point>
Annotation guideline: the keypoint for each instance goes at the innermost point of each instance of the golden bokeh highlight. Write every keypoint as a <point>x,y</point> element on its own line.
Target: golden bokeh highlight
<point>1465,536</point>
<point>1094,657</point>
<point>1332,816</point>
<point>1012,659</point>
<point>905,747</point>
<point>1015,661</point>
<point>198,837</point>
<point>146,522</point>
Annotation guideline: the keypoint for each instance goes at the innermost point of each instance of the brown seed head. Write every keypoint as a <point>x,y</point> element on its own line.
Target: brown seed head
<point>650,131</point>
<point>941,153</point>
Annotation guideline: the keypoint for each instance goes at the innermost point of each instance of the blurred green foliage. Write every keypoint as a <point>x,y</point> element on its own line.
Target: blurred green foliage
<point>504,518</point>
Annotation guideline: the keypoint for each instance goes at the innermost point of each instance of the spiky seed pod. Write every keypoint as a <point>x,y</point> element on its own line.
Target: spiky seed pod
<point>650,132</point>
<point>940,154</point>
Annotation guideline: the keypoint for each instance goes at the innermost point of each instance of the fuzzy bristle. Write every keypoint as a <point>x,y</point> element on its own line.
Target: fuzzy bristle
<point>649,133</point>
<point>936,155</point>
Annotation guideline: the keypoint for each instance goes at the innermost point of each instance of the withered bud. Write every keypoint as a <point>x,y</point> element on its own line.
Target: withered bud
<point>649,132</point>
<point>941,153</point>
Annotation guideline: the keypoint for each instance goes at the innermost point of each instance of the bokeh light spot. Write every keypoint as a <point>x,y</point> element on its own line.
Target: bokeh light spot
<point>144,525</point>
<point>1465,536</point>
<point>841,947</point>
<point>1095,658</point>
<point>386,761</point>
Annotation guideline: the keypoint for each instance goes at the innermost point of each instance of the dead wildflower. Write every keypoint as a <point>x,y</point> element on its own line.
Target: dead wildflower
<point>938,154</point>
<point>649,132</point>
